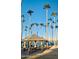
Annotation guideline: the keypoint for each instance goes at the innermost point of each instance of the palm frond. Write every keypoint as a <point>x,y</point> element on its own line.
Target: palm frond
<point>56,26</point>
<point>22,15</point>
<point>51,27</point>
<point>54,14</point>
<point>46,6</point>
<point>41,24</point>
<point>25,29</point>
<point>50,19</point>
<point>30,12</point>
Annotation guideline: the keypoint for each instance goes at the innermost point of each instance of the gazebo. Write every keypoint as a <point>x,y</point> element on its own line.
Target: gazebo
<point>34,38</point>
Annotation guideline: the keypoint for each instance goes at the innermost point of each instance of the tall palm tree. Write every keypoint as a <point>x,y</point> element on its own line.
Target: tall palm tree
<point>37,28</point>
<point>52,31</point>
<point>54,15</point>
<point>34,26</point>
<point>56,26</point>
<point>41,25</point>
<point>56,43</point>
<point>30,14</point>
<point>54,21</point>
<point>22,20</point>
<point>50,19</point>
<point>37,24</point>
<point>51,26</point>
<point>46,7</point>
<point>45,27</point>
<point>24,39</point>
<point>30,30</point>
<point>26,30</point>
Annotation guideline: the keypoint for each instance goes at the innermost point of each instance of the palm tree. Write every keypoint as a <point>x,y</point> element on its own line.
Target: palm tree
<point>54,15</point>
<point>37,24</point>
<point>46,7</point>
<point>22,20</point>
<point>37,28</point>
<point>26,30</point>
<point>56,43</point>
<point>56,26</point>
<point>51,26</point>
<point>50,19</point>
<point>52,31</point>
<point>24,39</point>
<point>30,14</point>
<point>30,30</point>
<point>33,25</point>
<point>41,25</point>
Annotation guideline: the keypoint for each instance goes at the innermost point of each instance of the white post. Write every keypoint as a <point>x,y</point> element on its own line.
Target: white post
<point>35,44</point>
<point>24,45</point>
<point>29,47</point>
<point>47,44</point>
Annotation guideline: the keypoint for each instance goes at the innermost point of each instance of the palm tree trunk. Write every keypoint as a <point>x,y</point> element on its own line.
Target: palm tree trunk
<point>29,32</point>
<point>21,31</point>
<point>54,30</point>
<point>26,34</point>
<point>29,24</point>
<point>52,35</point>
<point>34,29</point>
<point>46,24</point>
<point>41,30</point>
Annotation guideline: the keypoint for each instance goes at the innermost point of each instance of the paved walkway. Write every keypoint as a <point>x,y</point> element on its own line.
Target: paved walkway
<point>51,53</point>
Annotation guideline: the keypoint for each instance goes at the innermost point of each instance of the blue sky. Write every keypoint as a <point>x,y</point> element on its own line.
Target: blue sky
<point>39,13</point>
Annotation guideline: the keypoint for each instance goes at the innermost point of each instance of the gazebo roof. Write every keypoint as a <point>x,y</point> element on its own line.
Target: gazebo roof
<point>34,37</point>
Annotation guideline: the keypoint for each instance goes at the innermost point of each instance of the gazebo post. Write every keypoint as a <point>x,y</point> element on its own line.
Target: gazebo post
<point>35,44</point>
<point>29,46</point>
<point>24,45</point>
<point>41,45</point>
<point>47,44</point>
